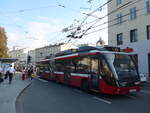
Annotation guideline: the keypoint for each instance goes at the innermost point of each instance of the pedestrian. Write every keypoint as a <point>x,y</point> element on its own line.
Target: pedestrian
<point>23,73</point>
<point>1,78</point>
<point>6,74</point>
<point>33,75</point>
<point>11,71</point>
<point>31,72</point>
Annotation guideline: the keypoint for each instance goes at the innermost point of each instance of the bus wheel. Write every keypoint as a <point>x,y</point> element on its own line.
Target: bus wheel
<point>57,80</point>
<point>85,86</point>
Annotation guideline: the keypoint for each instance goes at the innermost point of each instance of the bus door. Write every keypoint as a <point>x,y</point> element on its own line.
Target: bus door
<point>94,75</point>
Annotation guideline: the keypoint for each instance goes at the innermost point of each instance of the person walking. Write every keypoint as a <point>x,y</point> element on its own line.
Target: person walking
<point>11,71</point>
<point>23,73</point>
<point>6,74</point>
<point>1,78</point>
<point>31,72</point>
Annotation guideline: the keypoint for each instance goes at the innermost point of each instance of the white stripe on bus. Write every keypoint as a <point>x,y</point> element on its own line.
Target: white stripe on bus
<point>79,74</point>
<point>75,74</point>
<point>59,72</point>
<point>76,54</point>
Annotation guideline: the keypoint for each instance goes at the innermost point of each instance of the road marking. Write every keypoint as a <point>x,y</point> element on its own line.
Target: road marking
<point>42,80</point>
<point>102,100</point>
<point>144,91</point>
<point>130,96</point>
<point>78,91</point>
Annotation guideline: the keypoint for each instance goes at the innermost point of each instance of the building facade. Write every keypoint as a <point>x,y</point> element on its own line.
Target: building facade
<point>31,53</point>
<point>129,26</point>
<point>46,52</point>
<point>19,53</point>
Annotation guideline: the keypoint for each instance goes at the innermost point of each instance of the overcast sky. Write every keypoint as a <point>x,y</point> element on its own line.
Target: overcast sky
<point>36,23</point>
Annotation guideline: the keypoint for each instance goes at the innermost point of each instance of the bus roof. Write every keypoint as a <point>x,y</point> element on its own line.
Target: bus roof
<point>72,53</point>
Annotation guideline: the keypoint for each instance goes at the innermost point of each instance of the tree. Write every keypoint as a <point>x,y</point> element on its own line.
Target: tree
<point>3,44</point>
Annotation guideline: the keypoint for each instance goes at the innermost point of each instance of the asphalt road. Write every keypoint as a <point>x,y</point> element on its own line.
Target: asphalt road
<point>48,97</point>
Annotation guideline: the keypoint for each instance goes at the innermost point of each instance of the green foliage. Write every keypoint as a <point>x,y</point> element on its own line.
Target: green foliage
<point>3,44</point>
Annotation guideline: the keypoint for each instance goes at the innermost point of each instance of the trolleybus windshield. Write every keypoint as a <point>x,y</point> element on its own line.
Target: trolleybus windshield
<point>125,70</point>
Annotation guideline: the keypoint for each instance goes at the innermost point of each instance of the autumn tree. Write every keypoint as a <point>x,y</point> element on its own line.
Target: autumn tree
<point>3,44</point>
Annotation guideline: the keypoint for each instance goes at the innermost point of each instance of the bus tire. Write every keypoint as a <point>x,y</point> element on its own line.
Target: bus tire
<point>84,85</point>
<point>57,80</point>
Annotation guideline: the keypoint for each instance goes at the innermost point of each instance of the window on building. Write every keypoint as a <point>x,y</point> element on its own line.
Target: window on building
<point>133,35</point>
<point>120,39</point>
<point>148,31</point>
<point>148,7</point>
<point>119,18</point>
<point>133,13</point>
<point>118,2</point>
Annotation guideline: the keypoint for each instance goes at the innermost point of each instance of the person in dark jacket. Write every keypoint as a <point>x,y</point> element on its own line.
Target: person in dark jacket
<point>1,78</point>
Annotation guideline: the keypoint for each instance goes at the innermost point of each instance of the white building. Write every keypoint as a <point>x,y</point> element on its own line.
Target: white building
<point>18,53</point>
<point>47,51</point>
<point>130,27</point>
<point>21,55</point>
<point>31,53</point>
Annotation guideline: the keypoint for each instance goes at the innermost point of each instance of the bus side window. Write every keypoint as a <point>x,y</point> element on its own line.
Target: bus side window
<point>83,65</point>
<point>94,66</point>
<point>58,65</point>
<point>106,73</point>
<point>45,67</point>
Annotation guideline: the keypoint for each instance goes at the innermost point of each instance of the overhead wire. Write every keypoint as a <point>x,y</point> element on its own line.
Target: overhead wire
<point>121,7</point>
<point>105,23</point>
<point>115,23</point>
<point>89,14</point>
<point>109,21</point>
<point>95,21</point>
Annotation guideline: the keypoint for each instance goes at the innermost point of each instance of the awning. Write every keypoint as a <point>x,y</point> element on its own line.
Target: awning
<point>8,60</point>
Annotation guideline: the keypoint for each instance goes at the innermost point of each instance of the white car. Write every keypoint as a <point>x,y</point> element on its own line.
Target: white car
<point>143,77</point>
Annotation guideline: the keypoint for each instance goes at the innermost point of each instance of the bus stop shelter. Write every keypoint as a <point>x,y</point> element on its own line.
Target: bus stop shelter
<point>5,63</point>
<point>8,60</point>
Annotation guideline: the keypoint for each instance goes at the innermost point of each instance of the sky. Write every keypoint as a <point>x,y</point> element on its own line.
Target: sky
<point>36,23</point>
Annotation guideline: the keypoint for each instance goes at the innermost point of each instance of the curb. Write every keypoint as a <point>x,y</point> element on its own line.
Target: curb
<point>17,97</point>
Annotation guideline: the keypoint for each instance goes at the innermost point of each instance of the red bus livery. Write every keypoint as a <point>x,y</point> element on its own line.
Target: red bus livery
<point>104,70</point>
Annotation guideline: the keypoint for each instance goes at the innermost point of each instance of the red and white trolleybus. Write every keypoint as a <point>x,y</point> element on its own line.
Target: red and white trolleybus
<point>103,70</point>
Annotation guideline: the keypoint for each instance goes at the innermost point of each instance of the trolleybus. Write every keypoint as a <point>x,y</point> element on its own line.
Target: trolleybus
<point>104,70</point>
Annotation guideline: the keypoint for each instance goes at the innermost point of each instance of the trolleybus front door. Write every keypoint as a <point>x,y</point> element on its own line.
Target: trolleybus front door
<point>94,73</point>
<point>94,81</point>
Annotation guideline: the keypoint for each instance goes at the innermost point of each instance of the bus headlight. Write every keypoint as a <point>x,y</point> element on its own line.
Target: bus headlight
<point>137,83</point>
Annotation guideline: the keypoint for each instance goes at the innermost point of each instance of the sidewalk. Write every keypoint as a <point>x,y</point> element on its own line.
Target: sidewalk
<point>9,93</point>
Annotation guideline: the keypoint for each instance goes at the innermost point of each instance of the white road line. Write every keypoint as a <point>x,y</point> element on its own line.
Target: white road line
<point>102,100</point>
<point>42,80</point>
<point>144,91</point>
<point>130,96</point>
<point>78,91</point>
